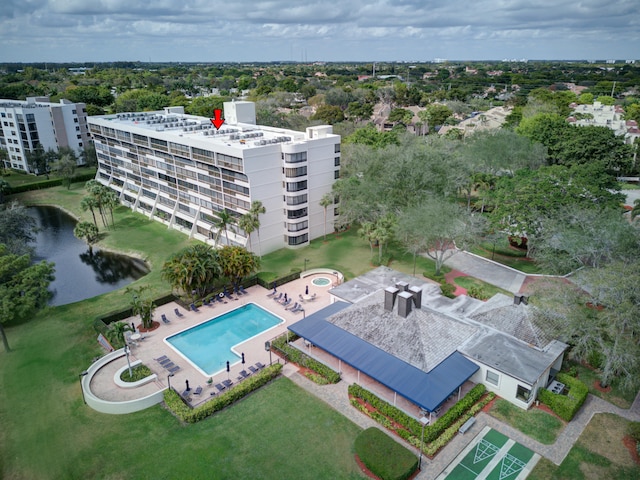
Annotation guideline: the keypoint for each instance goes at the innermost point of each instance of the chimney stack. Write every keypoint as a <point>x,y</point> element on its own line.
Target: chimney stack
<point>390,298</point>
<point>517,298</point>
<point>402,286</point>
<point>416,292</point>
<point>405,299</point>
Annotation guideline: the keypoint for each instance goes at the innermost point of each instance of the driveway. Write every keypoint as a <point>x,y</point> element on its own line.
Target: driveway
<point>486,270</point>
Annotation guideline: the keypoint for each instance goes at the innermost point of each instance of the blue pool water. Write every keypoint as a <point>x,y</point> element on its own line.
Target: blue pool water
<point>209,345</point>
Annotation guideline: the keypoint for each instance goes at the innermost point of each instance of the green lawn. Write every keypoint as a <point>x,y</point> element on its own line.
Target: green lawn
<point>15,178</point>
<point>535,423</point>
<point>617,396</point>
<point>487,288</point>
<point>599,453</point>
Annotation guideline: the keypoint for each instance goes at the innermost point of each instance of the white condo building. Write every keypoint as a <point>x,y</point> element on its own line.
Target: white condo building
<point>180,170</point>
<point>35,121</point>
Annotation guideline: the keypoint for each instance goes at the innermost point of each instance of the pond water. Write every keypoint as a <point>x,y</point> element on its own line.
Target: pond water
<point>79,275</point>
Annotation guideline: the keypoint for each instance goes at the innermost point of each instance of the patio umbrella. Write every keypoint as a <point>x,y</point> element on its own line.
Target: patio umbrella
<point>187,382</point>
<point>306,290</point>
<point>243,358</point>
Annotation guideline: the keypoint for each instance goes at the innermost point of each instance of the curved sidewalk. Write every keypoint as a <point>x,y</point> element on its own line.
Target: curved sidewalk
<point>486,270</point>
<point>336,395</point>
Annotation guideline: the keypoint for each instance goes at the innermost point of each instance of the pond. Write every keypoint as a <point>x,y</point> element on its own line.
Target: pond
<point>79,275</point>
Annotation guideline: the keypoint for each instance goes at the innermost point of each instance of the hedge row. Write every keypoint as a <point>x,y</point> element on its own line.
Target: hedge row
<point>414,427</point>
<point>383,456</point>
<point>431,445</point>
<point>187,414</point>
<point>565,406</point>
<point>52,182</point>
<point>294,355</point>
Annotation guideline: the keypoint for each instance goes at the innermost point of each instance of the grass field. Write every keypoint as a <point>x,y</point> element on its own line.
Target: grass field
<point>599,453</point>
<point>617,396</point>
<point>487,288</point>
<point>535,423</point>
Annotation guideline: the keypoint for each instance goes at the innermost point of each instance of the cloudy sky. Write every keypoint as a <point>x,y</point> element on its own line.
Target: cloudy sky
<point>323,30</point>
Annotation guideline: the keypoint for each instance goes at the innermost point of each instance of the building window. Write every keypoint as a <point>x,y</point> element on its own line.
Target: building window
<point>296,227</point>
<point>295,157</point>
<point>298,240</point>
<point>295,172</point>
<point>302,212</point>
<point>523,393</point>
<point>337,148</point>
<point>336,174</point>
<point>493,378</point>
<point>336,162</point>
<point>296,186</point>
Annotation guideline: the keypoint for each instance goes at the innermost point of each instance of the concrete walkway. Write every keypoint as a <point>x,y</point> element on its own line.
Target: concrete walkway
<point>486,270</point>
<point>337,397</point>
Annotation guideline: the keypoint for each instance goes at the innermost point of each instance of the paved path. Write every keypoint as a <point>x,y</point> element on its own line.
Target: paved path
<point>337,397</point>
<point>486,270</point>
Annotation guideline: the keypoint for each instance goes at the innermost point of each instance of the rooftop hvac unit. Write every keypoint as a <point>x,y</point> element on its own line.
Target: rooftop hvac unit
<point>263,142</point>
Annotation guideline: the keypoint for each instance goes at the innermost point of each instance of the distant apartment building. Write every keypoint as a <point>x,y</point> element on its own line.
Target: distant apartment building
<point>180,170</point>
<point>35,121</point>
<point>610,116</point>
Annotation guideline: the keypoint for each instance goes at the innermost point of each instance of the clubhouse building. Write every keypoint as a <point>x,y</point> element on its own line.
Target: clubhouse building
<point>181,170</point>
<point>401,333</point>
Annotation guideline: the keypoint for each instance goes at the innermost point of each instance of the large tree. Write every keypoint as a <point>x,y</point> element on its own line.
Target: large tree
<point>17,228</point>
<point>600,320</point>
<point>24,288</point>
<point>66,165</point>
<point>440,226</point>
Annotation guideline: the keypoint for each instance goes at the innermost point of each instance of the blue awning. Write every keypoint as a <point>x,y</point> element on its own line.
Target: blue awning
<point>428,390</point>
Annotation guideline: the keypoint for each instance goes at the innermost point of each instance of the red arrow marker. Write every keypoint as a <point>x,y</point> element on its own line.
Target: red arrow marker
<point>216,120</point>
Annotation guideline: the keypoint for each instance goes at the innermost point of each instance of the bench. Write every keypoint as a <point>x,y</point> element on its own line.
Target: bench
<point>467,425</point>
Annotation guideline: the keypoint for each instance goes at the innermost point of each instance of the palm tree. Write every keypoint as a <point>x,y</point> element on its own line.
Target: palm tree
<point>192,270</point>
<point>111,201</point>
<point>237,263</point>
<point>248,223</point>
<point>224,220</point>
<point>98,192</point>
<point>325,201</point>
<point>255,211</point>
<point>88,232</point>
<point>90,203</point>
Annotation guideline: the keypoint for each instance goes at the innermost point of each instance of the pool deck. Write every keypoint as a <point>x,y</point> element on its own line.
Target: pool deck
<point>153,345</point>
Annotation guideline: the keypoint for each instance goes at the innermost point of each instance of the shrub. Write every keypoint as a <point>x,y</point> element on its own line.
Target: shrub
<point>447,289</point>
<point>386,458</point>
<point>595,359</point>
<point>174,402</point>
<point>565,406</point>
<point>475,291</point>
<point>633,430</point>
<point>138,373</point>
<point>300,358</point>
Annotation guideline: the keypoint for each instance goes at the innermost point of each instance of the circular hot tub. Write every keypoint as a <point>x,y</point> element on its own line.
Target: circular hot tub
<point>321,281</point>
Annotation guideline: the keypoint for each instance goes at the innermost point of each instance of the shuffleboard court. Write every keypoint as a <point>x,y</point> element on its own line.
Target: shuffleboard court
<point>492,456</point>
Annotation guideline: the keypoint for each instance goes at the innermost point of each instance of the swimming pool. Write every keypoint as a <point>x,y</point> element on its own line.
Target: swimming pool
<point>209,346</point>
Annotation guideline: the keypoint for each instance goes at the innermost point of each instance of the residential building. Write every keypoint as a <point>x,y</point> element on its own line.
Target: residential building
<point>181,170</point>
<point>26,124</point>
<point>610,116</point>
<point>401,332</point>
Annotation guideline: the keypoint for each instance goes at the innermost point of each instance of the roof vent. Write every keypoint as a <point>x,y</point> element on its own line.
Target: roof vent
<point>390,298</point>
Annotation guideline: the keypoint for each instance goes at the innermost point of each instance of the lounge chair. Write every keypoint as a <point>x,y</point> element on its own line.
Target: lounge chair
<point>160,359</point>
<point>272,294</point>
<point>220,387</point>
<point>206,302</point>
<point>177,312</point>
<point>286,303</point>
<point>300,298</point>
<point>244,374</point>
<point>173,369</point>
<point>243,291</point>
<point>194,308</point>
<point>165,319</point>
<point>164,361</point>
<point>185,394</point>
<point>279,297</point>
<point>220,298</point>
<point>297,309</point>
<point>168,365</point>
<point>227,383</point>
<point>229,296</point>
<point>259,365</point>
<point>253,369</point>
<point>291,307</point>
<point>198,390</point>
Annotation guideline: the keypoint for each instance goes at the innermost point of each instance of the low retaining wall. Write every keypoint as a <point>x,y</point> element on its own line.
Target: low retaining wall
<point>118,381</point>
<point>325,271</point>
<point>116,408</point>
